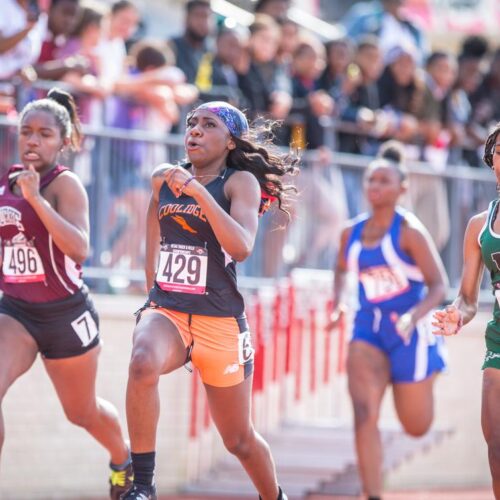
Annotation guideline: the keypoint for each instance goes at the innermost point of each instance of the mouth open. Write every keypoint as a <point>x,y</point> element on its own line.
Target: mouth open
<point>31,156</point>
<point>191,144</point>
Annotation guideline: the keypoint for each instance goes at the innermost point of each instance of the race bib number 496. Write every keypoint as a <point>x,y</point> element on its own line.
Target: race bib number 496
<point>182,268</point>
<point>22,264</point>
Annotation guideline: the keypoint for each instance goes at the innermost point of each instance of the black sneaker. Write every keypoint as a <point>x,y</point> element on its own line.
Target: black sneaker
<point>120,481</point>
<point>140,493</point>
<point>281,495</point>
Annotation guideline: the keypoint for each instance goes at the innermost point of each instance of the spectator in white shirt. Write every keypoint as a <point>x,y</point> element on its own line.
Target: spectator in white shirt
<point>119,26</point>
<point>22,31</point>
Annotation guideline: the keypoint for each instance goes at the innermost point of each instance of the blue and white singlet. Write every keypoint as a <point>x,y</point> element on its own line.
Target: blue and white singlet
<point>389,282</point>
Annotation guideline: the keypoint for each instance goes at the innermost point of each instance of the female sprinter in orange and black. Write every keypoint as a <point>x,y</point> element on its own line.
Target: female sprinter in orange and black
<point>205,214</point>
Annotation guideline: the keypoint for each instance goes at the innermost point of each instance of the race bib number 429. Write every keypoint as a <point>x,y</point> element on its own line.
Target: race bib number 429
<point>182,268</point>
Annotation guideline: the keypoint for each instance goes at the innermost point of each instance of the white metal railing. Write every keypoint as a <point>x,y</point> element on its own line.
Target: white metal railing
<point>465,191</point>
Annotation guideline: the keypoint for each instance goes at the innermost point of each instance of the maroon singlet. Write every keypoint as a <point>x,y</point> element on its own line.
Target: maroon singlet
<point>33,268</point>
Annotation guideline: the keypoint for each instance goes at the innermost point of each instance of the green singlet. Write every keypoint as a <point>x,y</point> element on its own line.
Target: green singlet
<point>490,251</point>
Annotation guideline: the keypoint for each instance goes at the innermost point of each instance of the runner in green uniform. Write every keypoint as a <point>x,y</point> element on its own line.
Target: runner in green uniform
<point>482,248</point>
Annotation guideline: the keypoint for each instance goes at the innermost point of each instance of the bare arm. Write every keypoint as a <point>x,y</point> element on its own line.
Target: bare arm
<point>9,42</point>
<point>339,277</point>
<point>235,231</point>
<point>52,70</point>
<point>55,70</point>
<point>416,241</point>
<point>339,280</point>
<point>464,307</point>
<point>160,98</point>
<point>87,84</point>
<point>68,221</point>
<point>130,84</point>
<point>152,232</point>
<point>466,301</point>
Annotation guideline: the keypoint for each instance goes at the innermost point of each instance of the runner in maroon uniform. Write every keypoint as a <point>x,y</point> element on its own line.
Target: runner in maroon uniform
<point>45,305</point>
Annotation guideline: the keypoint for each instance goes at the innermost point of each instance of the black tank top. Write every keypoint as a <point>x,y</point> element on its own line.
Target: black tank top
<point>194,275</point>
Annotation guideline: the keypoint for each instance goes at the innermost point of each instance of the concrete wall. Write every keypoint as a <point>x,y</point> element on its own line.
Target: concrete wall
<point>461,460</point>
<point>46,457</point>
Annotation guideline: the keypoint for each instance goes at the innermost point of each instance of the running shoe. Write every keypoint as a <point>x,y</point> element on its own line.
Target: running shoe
<point>281,495</point>
<point>120,481</point>
<point>140,493</point>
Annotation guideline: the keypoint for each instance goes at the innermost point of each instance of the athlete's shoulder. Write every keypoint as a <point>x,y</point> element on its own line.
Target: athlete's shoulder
<point>66,178</point>
<point>159,171</point>
<point>356,221</point>
<point>242,176</point>
<point>413,234</point>
<point>241,180</point>
<point>158,175</point>
<point>67,173</point>
<point>479,219</point>
<point>346,232</point>
<point>65,190</point>
<point>362,217</point>
<point>410,220</point>
<point>476,227</point>
<point>476,223</point>
<point>351,224</point>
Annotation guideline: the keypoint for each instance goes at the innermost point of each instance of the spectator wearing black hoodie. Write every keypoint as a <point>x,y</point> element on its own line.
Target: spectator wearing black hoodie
<point>190,47</point>
<point>217,76</point>
<point>265,85</point>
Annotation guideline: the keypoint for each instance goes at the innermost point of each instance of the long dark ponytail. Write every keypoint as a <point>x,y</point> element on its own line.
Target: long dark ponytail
<point>266,163</point>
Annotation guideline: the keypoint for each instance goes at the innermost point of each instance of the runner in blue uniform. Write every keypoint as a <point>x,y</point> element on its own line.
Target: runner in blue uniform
<point>202,219</point>
<point>400,279</point>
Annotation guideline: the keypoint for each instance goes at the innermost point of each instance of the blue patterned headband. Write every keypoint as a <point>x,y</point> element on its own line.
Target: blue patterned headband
<point>233,118</point>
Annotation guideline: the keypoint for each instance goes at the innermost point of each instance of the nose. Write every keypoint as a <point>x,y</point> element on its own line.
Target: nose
<point>33,140</point>
<point>195,131</point>
<point>372,187</point>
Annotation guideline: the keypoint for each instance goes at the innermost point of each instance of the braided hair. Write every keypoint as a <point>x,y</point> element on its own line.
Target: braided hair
<point>489,147</point>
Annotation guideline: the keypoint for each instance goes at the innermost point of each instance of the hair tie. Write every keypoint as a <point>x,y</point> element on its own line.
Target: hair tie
<point>266,200</point>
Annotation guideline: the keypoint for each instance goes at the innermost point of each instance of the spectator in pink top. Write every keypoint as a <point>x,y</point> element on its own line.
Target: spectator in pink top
<point>83,43</point>
<point>63,15</point>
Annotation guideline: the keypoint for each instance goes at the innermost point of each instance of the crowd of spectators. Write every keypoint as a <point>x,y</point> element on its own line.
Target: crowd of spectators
<point>380,81</point>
